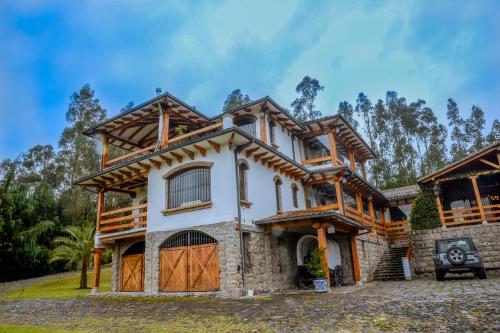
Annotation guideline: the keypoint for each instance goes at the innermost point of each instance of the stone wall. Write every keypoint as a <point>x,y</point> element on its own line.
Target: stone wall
<point>485,236</point>
<point>371,248</point>
<point>229,256</point>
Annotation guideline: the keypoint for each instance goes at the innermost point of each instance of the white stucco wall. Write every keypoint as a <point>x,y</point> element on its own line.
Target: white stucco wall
<point>223,195</point>
<point>261,192</point>
<point>283,140</point>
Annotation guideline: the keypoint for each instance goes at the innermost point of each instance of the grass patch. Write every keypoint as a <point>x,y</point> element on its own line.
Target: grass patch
<point>62,287</point>
<point>32,329</point>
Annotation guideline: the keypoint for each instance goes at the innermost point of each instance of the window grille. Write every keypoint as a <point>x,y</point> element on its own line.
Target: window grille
<point>188,238</point>
<point>137,248</point>
<point>249,128</point>
<point>188,187</point>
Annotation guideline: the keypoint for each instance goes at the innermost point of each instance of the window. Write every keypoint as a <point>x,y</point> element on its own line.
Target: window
<point>243,168</point>
<point>295,190</point>
<point>188,187</point>
<point>277,188</point>
<point>247,123</point>
<point>272,134</point>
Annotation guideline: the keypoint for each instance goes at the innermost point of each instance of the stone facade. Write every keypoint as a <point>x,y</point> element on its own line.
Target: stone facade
<point>371,248</point>
<point>485,237</point>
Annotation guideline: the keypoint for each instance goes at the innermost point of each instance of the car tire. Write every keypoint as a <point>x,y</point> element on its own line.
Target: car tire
<point>480,273</point>
<point>440,274</point>
<point>456,255</point>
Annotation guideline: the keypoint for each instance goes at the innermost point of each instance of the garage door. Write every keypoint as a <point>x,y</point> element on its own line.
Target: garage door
<point>132,268</point>
<point>189,262</point>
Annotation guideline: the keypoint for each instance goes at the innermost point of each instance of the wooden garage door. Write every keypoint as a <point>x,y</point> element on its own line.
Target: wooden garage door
<point>190,268</point>
<point>133,272</point>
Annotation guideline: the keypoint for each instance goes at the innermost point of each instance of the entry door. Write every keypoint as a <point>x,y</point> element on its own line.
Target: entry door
<point>190,268</point>
<point>133,272</point>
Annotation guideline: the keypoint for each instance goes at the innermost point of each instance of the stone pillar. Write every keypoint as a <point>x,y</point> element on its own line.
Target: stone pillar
<point>97,269</point>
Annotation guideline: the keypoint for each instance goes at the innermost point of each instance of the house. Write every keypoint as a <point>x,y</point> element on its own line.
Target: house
<point>233,202</point>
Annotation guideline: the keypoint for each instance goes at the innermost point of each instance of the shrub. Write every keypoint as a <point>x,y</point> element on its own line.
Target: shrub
<point>314,264</point>
<point>424,214</point>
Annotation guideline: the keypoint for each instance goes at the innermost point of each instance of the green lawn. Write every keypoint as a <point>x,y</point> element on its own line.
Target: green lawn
<point>33,329</point>
<point>66,286</point>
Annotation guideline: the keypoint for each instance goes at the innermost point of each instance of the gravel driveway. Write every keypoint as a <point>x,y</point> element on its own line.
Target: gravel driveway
<point>420,305</point>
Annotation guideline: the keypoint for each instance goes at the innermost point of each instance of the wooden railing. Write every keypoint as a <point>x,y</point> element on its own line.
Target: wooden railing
<point>123,219</point>
<point>380,227</point>
<point>144,151</point>
<point>468,216</point>
<point>325,207</point>
<point>399,230</point>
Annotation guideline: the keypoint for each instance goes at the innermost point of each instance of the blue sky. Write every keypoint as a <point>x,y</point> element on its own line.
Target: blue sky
<point>200,51</point>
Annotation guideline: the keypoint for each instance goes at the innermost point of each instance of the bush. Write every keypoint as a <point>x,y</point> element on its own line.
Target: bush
<point>424,214</point>
<point>314,264</point>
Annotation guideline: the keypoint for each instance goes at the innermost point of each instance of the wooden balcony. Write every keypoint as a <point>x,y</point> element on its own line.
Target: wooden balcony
<point>469,216</point>
<point>398,230</point>
<point>123,222</point>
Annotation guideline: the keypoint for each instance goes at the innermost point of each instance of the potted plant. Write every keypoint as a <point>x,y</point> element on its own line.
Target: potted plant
<point>316,269</point>
<point>180,129</point>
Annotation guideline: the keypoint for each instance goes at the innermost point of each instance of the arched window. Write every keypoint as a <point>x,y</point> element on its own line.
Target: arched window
<point>243,168</point>
<point>188,238</point>
<point>295,191</point>
<point>277,188</point>
<point>246,123</point>
<point>188,186</point>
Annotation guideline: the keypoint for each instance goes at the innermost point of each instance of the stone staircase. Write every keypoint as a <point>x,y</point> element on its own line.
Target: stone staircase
<point>390,266</point>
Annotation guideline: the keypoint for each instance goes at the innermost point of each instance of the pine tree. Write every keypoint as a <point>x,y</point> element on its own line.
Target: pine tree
<point>303,106</point>
<point>235,99</point>
<point>474,129</point>
<point>459,142</point>
<point>494,136</point>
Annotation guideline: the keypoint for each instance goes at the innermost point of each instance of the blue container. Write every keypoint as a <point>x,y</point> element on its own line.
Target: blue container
<point>320,285</point>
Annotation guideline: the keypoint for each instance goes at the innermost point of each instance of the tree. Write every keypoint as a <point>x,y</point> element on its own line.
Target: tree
<point>235,99</point>
<point>474,129</point>
<point>364,110</point>
<point>424,213</point>
<point>346,111</point>
<point>303,106</point>
<point>75,248</point>
<point>494,136</point>
<point>458,136</point>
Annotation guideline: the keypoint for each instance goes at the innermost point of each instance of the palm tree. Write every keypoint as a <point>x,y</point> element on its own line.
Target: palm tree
<point>75,248</point>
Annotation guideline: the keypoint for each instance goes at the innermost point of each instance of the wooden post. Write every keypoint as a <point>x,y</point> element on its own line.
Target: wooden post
<point>262,124</point>
<point>352,159</point>
<point>355,259</point>
<point>478,198</point>
<point>382,219</point>
<point>339,195</point>
<point>333,147</point>
<point>97,269</point>
<point>322,244</point>
<point>363,169</point>
<point>359,203</point>
<point>440,210</point>
<point>372,214</point>
<point>105,151</point>
<point>100,207</point>
<point>165,129</point>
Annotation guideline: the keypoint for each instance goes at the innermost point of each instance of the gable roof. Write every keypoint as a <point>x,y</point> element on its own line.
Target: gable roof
<point>466,161</point>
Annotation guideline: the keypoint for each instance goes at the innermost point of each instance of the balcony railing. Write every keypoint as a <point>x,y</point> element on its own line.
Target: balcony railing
<point>468,216</point>
<point>398,230</point>
<point>249,128</point>
<point>123,219</point>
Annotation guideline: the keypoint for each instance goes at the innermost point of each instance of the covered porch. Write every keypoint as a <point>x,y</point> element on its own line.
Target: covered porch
<point>326,226</point>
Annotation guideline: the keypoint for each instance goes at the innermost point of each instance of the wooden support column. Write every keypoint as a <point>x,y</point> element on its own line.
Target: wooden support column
<point>355,258</point>
<point>478,198</point>
<point>97,269</point>
<point>382,219</point>
<point>359,203</point>
<point>440,210</point>
<point>165,129</point>
<point>372,214</point>
<point>322,244</point>
<point>352,160</point>
<point>105,151</point>
<point>262,126</point>
<point>339,195</point>
<point>363,169</point>
<point>100,208</point>
<point>333,148</point>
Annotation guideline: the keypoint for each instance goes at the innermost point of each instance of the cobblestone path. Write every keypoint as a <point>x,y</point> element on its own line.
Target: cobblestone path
<point>466,305</point>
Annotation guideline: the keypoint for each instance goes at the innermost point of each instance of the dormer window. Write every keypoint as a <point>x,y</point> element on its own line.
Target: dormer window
<point>247,123</point>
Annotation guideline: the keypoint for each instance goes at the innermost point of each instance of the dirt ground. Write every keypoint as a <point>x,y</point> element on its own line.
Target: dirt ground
<point>422,305</point>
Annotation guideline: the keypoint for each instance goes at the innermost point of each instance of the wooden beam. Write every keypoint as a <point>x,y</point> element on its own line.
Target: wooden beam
<point>120,177</point>
<point>363,169</point>
<point>250,151</point>
<point>134,170</point>
<point>125,173</point>
<point>262,126</point>
<point>105,151</point>
<point>96,269</point>
<point>322,244</point>
<point>189,153</point>
<point>277,166</point>
<point>215,145</point>
<point>478,198</point>
<point>352,160</point>
<point>258,156</point>
<point>339,195</point>
<point>372,214</point>
<point>355,258</point>
<point>178,157</point>
<point>490,163</point>
<point>155,163</point>
<point>100,208</point>
<point>166,160</point>
<point>333,147</point>
<point>144,166</point>
<point>231,141</point>
<point>201,150</point>
<point>440,209</point>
